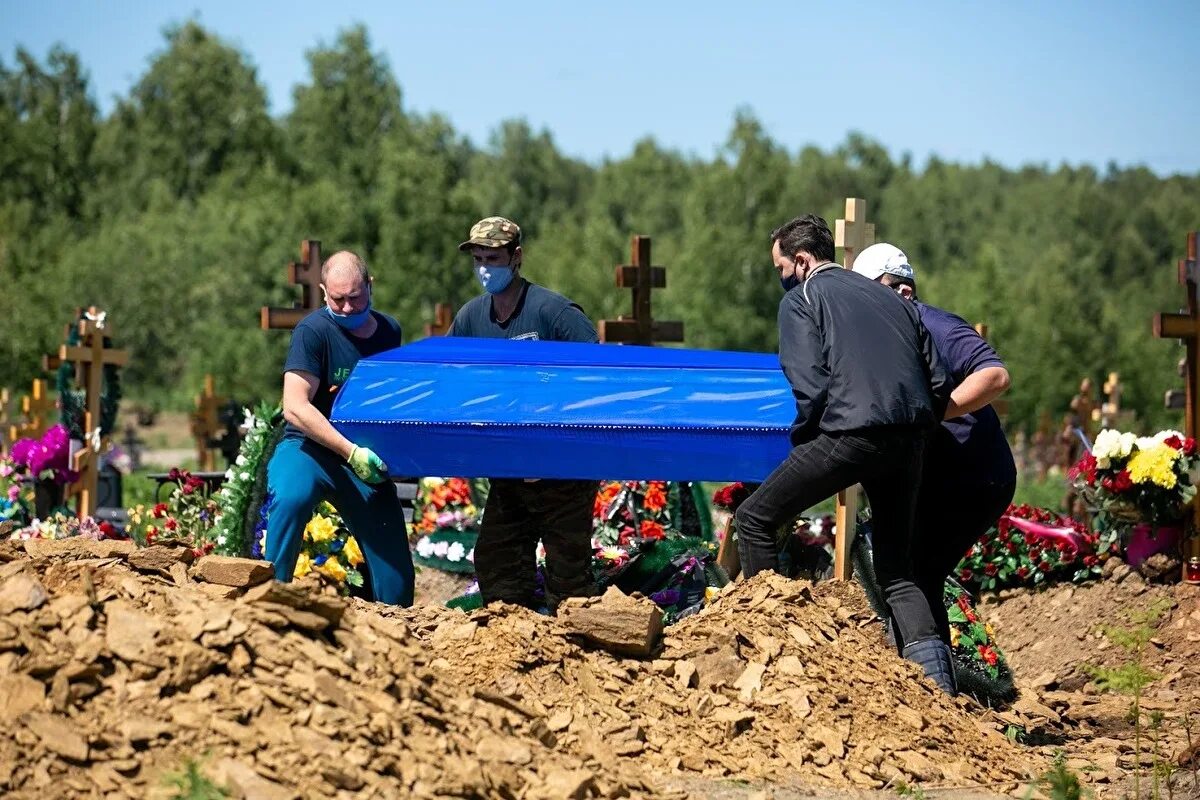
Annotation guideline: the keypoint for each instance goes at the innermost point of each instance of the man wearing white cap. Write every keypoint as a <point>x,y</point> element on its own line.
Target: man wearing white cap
<point>969,476</point>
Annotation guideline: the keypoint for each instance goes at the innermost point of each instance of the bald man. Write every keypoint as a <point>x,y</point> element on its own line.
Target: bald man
<point>314,461</point>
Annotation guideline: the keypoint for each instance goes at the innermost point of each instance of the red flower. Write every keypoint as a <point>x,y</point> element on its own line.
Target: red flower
<point>174,474</point>
<point>1189,446</point>
<point>1173,441</point>
<point>1011,546</point>
<point>108,530</point>
<point>1090,560</point>
<point>651,530</point>
<point>1035,554</point>
<point>965,574</point>
<point>171,524</point>
<point>1022,572</point>
<point>988,655</point>
<point>1044,566</point>
<point>990,569</point>
<point>655,498</point>
<point>159,511</point>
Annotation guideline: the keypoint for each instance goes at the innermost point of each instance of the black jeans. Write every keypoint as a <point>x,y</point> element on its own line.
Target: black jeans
<point>887,462</point>
<point>951,516</point>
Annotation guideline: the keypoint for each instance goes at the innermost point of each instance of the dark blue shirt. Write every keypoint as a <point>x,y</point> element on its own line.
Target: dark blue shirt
<point>970,449</point>
<point>322,348</point>
<point>540,314</point>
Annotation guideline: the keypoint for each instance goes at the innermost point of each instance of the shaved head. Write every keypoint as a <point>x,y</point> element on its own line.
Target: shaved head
<point>344,264</point>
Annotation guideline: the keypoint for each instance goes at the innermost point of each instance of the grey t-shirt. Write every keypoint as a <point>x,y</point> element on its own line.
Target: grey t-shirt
<point>540,314</point>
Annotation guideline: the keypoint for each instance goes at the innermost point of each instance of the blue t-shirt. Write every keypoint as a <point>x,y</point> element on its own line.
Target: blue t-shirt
<point>540,314</point>
<point>972,448</point>
<point>323,348</point>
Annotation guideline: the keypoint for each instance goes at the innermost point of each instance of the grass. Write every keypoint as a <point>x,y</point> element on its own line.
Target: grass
<point>190,783</point>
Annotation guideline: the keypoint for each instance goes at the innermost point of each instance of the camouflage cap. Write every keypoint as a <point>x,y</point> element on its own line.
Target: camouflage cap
<point>493,232</point>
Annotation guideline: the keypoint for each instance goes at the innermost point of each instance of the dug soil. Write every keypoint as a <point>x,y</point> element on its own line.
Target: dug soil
<point>119,673</point>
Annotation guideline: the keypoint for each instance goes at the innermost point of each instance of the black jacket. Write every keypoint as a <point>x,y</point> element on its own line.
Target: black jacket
<point>857,356</point>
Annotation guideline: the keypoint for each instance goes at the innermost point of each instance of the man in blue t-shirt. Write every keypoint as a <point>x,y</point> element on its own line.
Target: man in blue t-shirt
<point>520,512</point>
<point>969,475</point>
<point>314,461</point>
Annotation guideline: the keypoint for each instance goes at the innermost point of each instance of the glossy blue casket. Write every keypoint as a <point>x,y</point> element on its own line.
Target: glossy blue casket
<point>529,409</point>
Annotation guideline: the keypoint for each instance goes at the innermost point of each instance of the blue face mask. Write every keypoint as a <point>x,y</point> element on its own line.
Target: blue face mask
<point>350,321</point>
<point>494,279</point>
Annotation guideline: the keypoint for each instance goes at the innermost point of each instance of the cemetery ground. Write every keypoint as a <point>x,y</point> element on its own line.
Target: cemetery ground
<point>137,673</point>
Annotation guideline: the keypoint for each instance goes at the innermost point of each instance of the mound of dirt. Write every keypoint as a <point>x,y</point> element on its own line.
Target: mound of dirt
<point>114,677</point>
<point>776,680</point>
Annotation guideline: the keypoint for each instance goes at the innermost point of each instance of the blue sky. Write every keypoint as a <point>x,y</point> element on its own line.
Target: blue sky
<point>1016,82</point>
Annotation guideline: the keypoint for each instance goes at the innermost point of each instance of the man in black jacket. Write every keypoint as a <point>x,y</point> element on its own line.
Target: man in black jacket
<point>869,387</point>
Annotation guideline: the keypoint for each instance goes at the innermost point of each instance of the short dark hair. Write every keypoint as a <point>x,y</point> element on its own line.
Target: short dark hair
<point>809,233</point>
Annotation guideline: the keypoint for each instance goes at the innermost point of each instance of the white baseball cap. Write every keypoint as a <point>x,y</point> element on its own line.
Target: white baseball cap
<point>883,258</point>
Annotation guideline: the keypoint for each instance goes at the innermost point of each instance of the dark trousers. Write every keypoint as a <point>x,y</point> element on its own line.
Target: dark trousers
<point>887,462</point>
<point>517,515</point>
<point>951,516</point>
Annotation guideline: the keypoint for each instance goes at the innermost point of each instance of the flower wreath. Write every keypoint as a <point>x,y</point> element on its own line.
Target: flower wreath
<point>72,401</point>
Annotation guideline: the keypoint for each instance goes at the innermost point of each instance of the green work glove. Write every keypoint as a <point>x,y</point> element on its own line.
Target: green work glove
<point>366,465</point>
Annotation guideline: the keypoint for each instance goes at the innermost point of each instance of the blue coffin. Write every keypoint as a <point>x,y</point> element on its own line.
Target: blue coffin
<point>528,409</point>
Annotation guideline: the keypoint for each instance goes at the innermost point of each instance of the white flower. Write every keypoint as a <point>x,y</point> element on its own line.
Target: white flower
<point>471,555</point>
<point>440,549</point>
<point>456,552</point>
<point>424,547</point>
<point>221,539</point>
<point>241,460</point>
<point>229,474</point>
<point>1162,436</point>
<point>245,476</point>
<point>1112,444</point>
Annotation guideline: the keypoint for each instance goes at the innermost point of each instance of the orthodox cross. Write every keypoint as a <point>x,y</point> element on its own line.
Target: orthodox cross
<point>306,273</point>
<point>1186,326</point>
<point>35,411</point>
<point>640,277</point>
<point>90,357</point>
<point>206,424</point>
<point>853,234</point>
<point>443,318</point>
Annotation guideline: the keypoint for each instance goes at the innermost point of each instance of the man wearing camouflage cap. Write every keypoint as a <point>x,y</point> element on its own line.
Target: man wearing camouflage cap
<point>518,512</point>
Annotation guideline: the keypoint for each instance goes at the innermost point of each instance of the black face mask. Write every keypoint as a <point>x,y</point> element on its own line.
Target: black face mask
<point>789,283</point>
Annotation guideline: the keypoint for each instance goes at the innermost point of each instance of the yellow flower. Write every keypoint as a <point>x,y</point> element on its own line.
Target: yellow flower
<point>334,569</point>
<point>1154,465</point>
<point>354,556</point>
<point>303,566</point>
<point>991,632</point>
<point>320,529</point>
<point>954,634</point>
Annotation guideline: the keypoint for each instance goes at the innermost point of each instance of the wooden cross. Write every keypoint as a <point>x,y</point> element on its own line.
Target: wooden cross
<point>90,356</point>
<point>640,277</point>
<point>1110,414</point>
<point>853,234</point>
<point>1187,327</point>
<point>205,423</point>
<point>307,275</point>
<point>1083,404</point>
<point>5,420</point>
<point>443,318</point>
<point>35,409</point>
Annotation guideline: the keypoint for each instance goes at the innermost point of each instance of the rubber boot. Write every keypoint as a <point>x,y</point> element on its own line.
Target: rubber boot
<point>934,657</point>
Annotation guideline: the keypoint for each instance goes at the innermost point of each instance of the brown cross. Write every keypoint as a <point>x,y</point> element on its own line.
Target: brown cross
<point>640,327</point>
<point>443,318</point>
<point>853,234</point>
<point>205,424</point>
<point>90,357</point>
<point>35,410</point>
<point>306,274</point>
<point>1082,406</point>
<point>1110,414</point>
<point>1187,327</point>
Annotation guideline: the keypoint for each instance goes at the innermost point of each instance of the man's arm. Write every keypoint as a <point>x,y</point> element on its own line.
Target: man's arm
<point>299,388</point>
<point>572,325</point>
<point>977,390</point>
<point>800,355</point>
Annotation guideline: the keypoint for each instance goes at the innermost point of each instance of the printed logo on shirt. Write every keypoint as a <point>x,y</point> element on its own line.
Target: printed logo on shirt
<point>532,336</point>
<point>340,374</point>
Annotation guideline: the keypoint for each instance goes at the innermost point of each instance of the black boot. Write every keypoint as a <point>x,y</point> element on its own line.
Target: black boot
<point>934,657</point>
